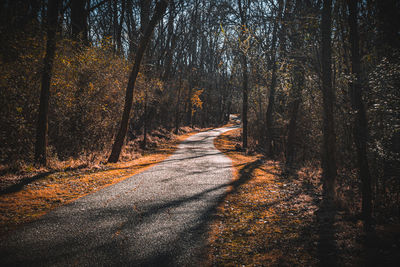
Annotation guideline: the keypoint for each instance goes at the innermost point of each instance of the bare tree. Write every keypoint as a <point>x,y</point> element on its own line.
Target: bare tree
<point>243,29</point>
<point>42,127</point>
<point>145,39</point>
<point>360,133</point>
<point>79,15</point>
<point>271,98</point>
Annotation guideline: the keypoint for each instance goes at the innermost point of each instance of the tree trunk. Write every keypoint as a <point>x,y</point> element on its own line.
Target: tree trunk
<point>131,26</point>
<point>79,20</point>
<point>245,78</point>
<point>144,15</point>
<point>171,42</point>
<point>42,126</point>
<point>294,109</point>
<point>245,101</point>
<point>360,127</point>
<point>297,40</point>
<point>117,29</point>
<point>146,117</point>
<point>329,137</point>
<point>271,98</point>
<point>189,106</point>
<point>177,111</point>
<point>145,39</point>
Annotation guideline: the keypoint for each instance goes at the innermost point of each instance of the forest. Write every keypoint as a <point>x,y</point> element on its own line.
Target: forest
<point>315,83</point>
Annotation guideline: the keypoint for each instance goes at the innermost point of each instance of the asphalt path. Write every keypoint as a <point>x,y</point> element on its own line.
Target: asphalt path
<point>159,217</point>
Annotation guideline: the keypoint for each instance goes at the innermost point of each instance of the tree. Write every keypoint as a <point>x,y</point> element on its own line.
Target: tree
<point>360,129</point>
<point>243,28</point>
<point>118,24</point>
<point>42,126</point>
<point>79,20</point>
<point>271,98</point>
<point>159,10</point>
<point>329,137</point>
<point>296,38</point>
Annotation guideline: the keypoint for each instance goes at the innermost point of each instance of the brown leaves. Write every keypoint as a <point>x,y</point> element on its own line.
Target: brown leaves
<point>262,221</point>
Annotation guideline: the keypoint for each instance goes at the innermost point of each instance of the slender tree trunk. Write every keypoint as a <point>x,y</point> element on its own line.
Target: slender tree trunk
<point>144,15</point>
<point>294,110</point>
<point>114,10</point>
<point>192,65</point>
<point>42,126</point>
<point>245,77</point>
<point>271,99</point>
<point>177,111</point>
<point>131,29</point>
<point>329,138</point>
<point>360,127</point>
<point>117,29</point>
<point>245,101</point>
<point>145,39</point>
<point>189,106</point>
<point>171,42</point>
<point>79,20</point>
<point>297,40</point>
<point>146,117</point>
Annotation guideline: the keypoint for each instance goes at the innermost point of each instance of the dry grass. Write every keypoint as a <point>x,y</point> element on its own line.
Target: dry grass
<point>55,188</point>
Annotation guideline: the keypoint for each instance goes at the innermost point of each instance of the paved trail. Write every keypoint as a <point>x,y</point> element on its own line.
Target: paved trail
<point>156,218</point>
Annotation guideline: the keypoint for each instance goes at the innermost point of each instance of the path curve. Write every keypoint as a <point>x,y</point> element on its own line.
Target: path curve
<point>159,217</point>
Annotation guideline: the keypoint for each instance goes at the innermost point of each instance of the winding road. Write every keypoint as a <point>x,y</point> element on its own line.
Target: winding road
<point>159,217</point>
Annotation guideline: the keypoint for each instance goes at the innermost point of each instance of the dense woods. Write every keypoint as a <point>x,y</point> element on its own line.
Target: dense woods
<point>316,83</point>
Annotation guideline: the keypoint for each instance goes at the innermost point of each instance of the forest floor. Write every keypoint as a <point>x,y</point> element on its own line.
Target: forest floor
<point>29,194</point>
<point>278,220</point>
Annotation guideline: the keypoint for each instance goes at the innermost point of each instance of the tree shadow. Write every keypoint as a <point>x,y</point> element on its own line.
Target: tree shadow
<point>323,223</point>
<point>24,181</point>
<point>245,174</point>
